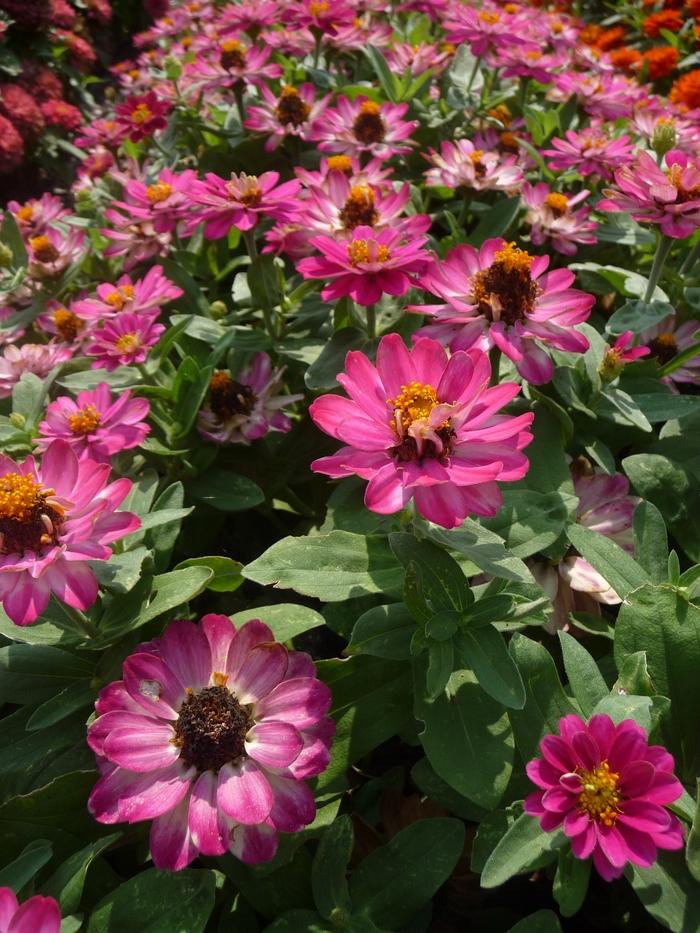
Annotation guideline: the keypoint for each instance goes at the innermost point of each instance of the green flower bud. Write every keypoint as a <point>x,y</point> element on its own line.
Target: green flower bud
<point>664,137</point>
<point>18,421</point>
<point>5,256</point>
<point>218,309</point>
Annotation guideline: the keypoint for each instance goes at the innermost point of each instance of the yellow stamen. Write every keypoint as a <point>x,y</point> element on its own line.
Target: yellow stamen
<point>120,296</point>
<point>158,192</point>
<point>486,17</point>
<point>600,796</point>
<point>25,213</point>
<point>359,251</point>
<point>415,403</point>
<point>19,496</point>
<point>141,114</point>
<point>43,249</point>
<point>559,203</point>
<point>67,324</point>
<point>128,342</point>
<point>84,421</point>
<point>340,163</point>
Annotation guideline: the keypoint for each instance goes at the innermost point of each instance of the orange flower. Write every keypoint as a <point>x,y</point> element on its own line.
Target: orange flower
<point>610,38</point>
<point>590,34</point>
<point>664,19</point>
<point>625,59</point>
<point>661,61</point>
<point>686,89</point>
<point>693,7</point>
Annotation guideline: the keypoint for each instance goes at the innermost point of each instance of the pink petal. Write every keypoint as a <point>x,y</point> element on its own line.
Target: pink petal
<point>203,818</point>
<point>254,844</point>
<point>261,671</point>
<point>274,744</point>
<point>294,806</point>
<point>244,793</point>
<point>142,748</point>
<point>37,915</point>
<point>302,701</point>
<point>172,847</point>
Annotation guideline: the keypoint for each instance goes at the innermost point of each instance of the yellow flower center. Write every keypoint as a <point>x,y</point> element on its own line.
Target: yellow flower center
<point>84,421</point>
<point>501,113</point>
<point>19,496</point>
<point>359,208</point>
<point>600,796</point>
<point>29,517</point>
<point>359,251</point>
<point>557,203</point>
<point>141,114</point>
<point>340,163</point>
<point>128,342</point>
<point>229,398</point>
<point>120,296</point>
<point>158,192</point>
<point>43,249</point>
<point>319,7</point>
<point>25,213</point>
<point>486,17</point>
<point>505,290</point>
<point>415,403</point>
<point>664,347</point>
<point>67,324</point>
<point>514,259</point>
<point>232,54</point>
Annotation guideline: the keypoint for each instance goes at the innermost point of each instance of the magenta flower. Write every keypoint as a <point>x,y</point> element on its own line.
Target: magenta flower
<point>124,340</point>
<point>290,113</point>
<point>668,198</point>
<point>52,252</point>
<point>486,28</point>
<point>241,202</point>
<point>461,165</point>
<point>241,410</point>
<point>502,296</point>
<point>616,357</point>
<point>356,126</point>
<point>55,517</point>
<point>36,915</point>
<point>211,734</point>
<point>96,426</point>
<point>589,152</point>
<point>551,216</point>
<point>608,789</point>
<point>667,339</point>
<point>142,115</point>
<point>367,265</point>
<point>37,358</point>
<point>146,294</point>
<point>420,427</point>
<point>166,199</point>
<point>228,62</point>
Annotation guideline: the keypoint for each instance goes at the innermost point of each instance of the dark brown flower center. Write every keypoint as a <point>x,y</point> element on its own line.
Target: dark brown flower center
<point>506,291</point>
<point>291,109</point>
<point>227,397</point>
<point>44,250</point>
<point>67,324</point>
<point>29,518</point>
<point>368,126</point>
<point>211,728</point>
<point>663,348</point>
<point>359,208</point>
<point>232,54</point>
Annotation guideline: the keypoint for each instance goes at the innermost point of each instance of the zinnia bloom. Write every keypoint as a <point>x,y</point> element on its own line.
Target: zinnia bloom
<point>608,789</point>
<point>367,265</point>
<point>243,409</point>
<point>484,29</point>
<point>36,915</point>
<point>146,294</point>
<point>96,426</point>
<point>37,358</point>
<point>551,217</point>
<point>668,198</point>
<point>589,152</point>
<point>461,165</point>
<point>356,126</point>
<point>661,61</point>
<point>672,20</point>
<point>289,114</point>
<point>124,340</point>
<point>421,427</point>
<point>686,89</point>
<point>619,354</point>
<point>241,201</point>
<point>667,339</point>
<point>502,296</point>
<point>55,517</point>
<point>141,116</point>
<point>211,734</point>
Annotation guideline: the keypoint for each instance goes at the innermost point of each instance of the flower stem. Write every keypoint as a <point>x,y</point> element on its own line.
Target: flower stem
<point>690,260</point>
<point>473,74</point>
<point>371,321</point>
<point>81,620</point>
<point>249,240</point>
<point>662,251</point>
<point>495,357</point>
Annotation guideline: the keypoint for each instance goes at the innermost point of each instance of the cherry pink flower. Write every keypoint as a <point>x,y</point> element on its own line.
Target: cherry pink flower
<point>403,56</point>
<point>668,198</point>
<point>140,116</point>
<point>461,165</point>
<point>241,202</point>
<point>486,28</point>
<point>55,517</point>
<point>242,409</point>
<point>103,132</point>
<point>166,199</point>
<point>367,265</point>
<point>290,113</point>
<point>321,15</point>
<point>374,173</point>
<point>53,251</point>
<point>37,358</point>
<point>146,294</point>
<point>124,340</point>
<point>527,61</point>
<point>418,426</point>
<point>356,126</point>
<point>616,357</point>
<point>609,791</point>
<point>36,915</point>
<point>95,425</point>
<point>502,296</point>
<point>35,215</point>
<point>230,62</point>
<point>211,734</point>
<point>133,235</point>
<point>602,96</point>
<point>551,217</point>
<point>247,16</point>
<point>590,151</point>
<point>667,339</point>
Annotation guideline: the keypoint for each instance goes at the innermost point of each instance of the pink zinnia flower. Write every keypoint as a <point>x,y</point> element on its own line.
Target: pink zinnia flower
<point>361,125</point>
<point>421,427</point>
<point>133,235</point>
<point>367,265</point>
<point>241,410</point>
<point>589,152</point>
<point>241,202</point>
<point>166,199</point>
<point>96,426</point>
<point>142,115</point>
<point>289,114</point>
<point>37,358</point>
<point>211,734</point>
<point>55,517</point>
<point>52,252</point>
<point>124,340</point>
<point>228,63</point>
<point>486,28</point>
<point>461,165</point>
<point>551,217</point>
<point>104,132</point>
<point>668,198</point>
<point>616,357</point>
<point>36,915</point>
<point>35,215</point>
<point>146,294</point>
<point>502,296</point>
<point>667,339</point>
<point>608,789</point>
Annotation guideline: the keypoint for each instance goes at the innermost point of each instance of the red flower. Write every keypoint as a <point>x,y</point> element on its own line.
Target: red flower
<point>40,81</point>
<point>661,61</point>
<point>664,19</point>
<point>11,147</point>
<point>142,115</point>
<point>61,113</point>
<point>28,14</point>
<point>62,14</point>
<point>22,110</point>
<point>81,54</point>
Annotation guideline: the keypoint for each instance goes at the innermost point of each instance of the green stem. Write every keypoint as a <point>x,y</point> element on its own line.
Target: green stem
<point>473,74</point>
<point>495,357</point>
<point>662,251</point>
<point>238,94</point>
<point>81,620</point>
<point>690,259</point>
<point>249,240</point>
<point>371,321</point>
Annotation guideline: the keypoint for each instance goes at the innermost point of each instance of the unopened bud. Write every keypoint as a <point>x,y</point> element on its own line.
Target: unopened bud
<point>5,256</point>
<point>18,421</point>
<point>611,366</point>
<point>218,309</point>
<point>664,137</point>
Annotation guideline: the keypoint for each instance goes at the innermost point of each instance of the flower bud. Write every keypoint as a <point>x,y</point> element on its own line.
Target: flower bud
<point>611,365</point>
<point>5,256</point>
<point>218,309</point>
<point>664,137</point>
<point>18,421</point>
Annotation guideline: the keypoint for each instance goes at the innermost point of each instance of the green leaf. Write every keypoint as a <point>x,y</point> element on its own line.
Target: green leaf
<point>157,901</point>
<point>226,577</point>
<point>543,921</point>
<point>287,620</point>
<point>620,570</point>
<point>332,567</point>
<point>30,674</point>
<point>668,891</point>
<point>545,702</point>
<point>529,521</point>
<point>692,847</point>
<point>22,869</point>
<point>66,884</point>
<point>463,726</point>
<point>387,81</point>
<point>484,651</point>
<point>663,406</point>
<point>523,844</point>
<point>651,542</point>
<point>11,235</point>
<point>442,581</point>
<point>263,282</point>
<point>637,316</point>
<point>331,361</point>
<point>496,221</point>
<point>226,491</point>
<point>633,677</point>
<point>585,679</point>
<point>329,868</point>
<point>73,697</point>
<point>571,882</point>
<point>440,667</point>
<point>395,881</point>
<point>483,548</point>
<point>385,632</point>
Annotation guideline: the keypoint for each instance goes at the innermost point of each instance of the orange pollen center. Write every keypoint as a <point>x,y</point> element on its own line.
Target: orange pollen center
<point>120,296</point>
<point>19,496</point>
<point>43,249</point>
<point>231,45</point>
<point>359,208</point>
<point>232,54</point>
<point>141,113</point>
<point>600,795</point>
<point>316,8</point>
<point>514,259</point>
<point>67,324</point>
<point>502,113</point>
<point>25,213</point>
<point>361,251</point>
<point>415,403</point>
<point>489,18</point>
<point>127,342</point>
<point>558,203</point>
<point>161,191</point>
<point>85,420</point>
<point>340,163</point>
